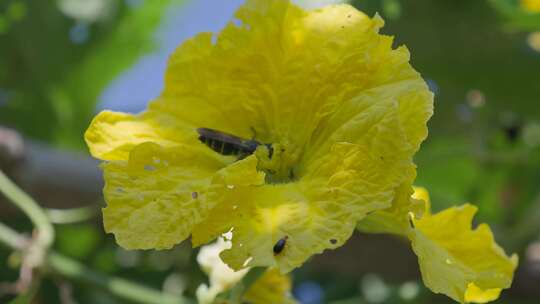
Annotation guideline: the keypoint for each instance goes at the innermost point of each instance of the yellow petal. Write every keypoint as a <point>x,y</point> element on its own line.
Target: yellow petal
<point>229,188</point>
<point>260,216</point>
<point>475,294</point>
<point>452,256</point>
<point>240,173</point>
<point>309,64</point>
<point>316,213</point>
<point>292,213</point>
<point>409,202</point>
<point>156,197</point>
<point>396,219</point>
<point>422,194</point>
<point>112,135</point>
<point>271,288</point>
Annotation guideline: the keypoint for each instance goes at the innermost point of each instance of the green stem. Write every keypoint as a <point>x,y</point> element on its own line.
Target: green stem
<point>71,269</point>
<point>235,295</point>
<point>72,215</point>
<point>11,238</point>
<point>22,200</point>
<point>125,289</point>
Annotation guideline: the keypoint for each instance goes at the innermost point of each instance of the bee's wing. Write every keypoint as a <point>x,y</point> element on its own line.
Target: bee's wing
<point>222,136</point>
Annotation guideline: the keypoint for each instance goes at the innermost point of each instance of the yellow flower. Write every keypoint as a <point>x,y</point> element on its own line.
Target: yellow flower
<point>532,6</point>
<point>463,263</point>
<point>342,112</point>
<point>271,288</point>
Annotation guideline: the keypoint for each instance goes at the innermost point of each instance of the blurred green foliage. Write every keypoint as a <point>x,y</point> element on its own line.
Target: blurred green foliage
<point>516,15</point>
<point>77,241</point>
<point>53,67</point>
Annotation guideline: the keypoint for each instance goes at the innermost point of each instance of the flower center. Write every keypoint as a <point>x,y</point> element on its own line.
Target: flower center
<point>280,167</point>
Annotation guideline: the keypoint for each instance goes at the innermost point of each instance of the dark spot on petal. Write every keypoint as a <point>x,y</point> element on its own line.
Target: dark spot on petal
<point>194,195</point>
<point>333,241</point>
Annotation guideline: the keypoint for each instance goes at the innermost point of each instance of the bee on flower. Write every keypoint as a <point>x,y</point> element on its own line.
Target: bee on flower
<point>287,129</point>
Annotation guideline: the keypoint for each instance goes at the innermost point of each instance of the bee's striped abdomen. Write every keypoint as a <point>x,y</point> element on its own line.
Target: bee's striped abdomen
<point>216,144</point>
<point>228,149</point>
<point>228,144</point>
<point>219,146</point>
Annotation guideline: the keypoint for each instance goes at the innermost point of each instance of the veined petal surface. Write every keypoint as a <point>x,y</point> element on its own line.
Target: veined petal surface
<point>156,197</point>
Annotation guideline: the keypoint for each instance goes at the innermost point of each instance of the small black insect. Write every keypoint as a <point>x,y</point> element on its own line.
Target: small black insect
<point>280,245</point>
<point>228,144</point>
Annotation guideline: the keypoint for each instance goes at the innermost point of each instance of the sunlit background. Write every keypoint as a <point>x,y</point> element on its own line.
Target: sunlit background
<point>63,61</point>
